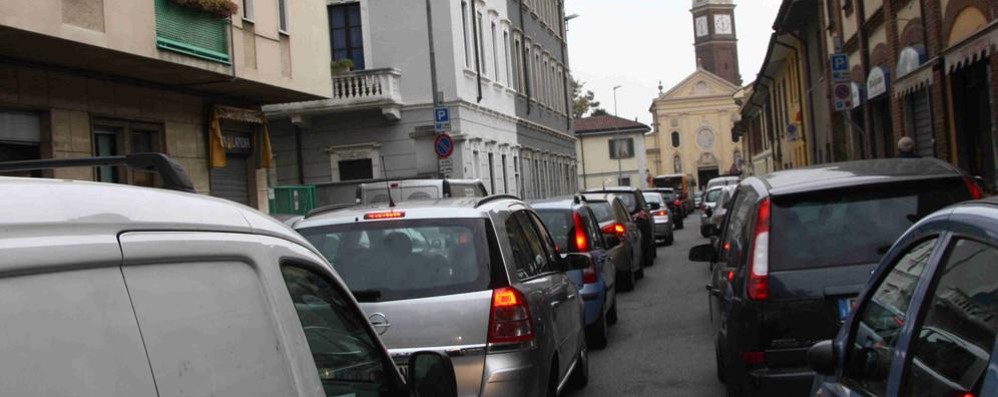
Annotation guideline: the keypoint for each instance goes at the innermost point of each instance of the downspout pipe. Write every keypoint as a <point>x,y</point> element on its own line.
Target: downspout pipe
<point>478,62</point>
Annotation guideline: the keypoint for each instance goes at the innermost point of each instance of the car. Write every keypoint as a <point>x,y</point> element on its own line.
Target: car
<point>795,250</point>
<point>674,203</point>
<point>698,199</point>
<point>722,181</point>
<point>621,234</point>
<point>128,291</point>
<point>574,226</point>
<point>714,217</point>
<point>707,209</point>
<point>661,217</point>
<point>924,324</point>
<point>635,203</point>
<point>418,189</point>
<point>480,278</point>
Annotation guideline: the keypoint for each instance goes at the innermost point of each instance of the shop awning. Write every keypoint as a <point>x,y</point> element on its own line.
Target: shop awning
<point>914,80</point>
<point>974,48</point>
<point>217,150</point>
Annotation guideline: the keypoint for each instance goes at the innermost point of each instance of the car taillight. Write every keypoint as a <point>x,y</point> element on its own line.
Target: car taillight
<point>589,274</point>
<point>975,191</point>
<point>614,228</point>
<point>662,213</point>
<point>509,321</point>
<point>758,284</point>
<point>581,241</point>
<point>754,358</point>
<point>384,215</point>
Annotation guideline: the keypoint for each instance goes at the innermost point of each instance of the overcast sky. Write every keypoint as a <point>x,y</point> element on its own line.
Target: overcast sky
<point>636,43</point>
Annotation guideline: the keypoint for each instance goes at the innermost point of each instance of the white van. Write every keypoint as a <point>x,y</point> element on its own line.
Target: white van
<point>419,189</point>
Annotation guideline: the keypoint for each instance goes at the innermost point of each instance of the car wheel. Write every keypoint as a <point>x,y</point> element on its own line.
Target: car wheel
<point>580,375</point>
<point>669,240</point>
<point>625,281</point>
<point>611,316</point>
<point>640,274</point>
<point>553,380</point>
<point>596,334</point>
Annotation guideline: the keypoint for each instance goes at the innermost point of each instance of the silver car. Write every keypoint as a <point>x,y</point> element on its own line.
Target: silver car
<point>478,278</point>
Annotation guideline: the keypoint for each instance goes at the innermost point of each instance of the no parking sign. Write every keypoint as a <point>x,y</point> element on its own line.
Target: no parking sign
<point>443,146</point>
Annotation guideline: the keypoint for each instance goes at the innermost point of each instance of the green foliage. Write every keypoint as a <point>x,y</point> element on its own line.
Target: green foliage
<point>599,112</point>
<point>218,8</point>
<point>341,65</point>
<point>582,103</point>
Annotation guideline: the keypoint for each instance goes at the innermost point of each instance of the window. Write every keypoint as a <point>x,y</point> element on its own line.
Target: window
<point>952,347</point>
<point>464,29</point>
<point>495,52</point>
<point>509,62</point>
<point>356,170</point>
<point>624,181</point>
<point>528,254</point>
<point>106,144</point>
<point>549,247</point>
<point>675,140</point>
<point>248,9</point>
<point>191,32</point>
<point>335,331</point>
<point>282,15</point>
<point>738,229</point>
<point>346,34</point>
<point>492,173</point>
<point>677,164</point>
<point>117,138</point>
<point>505,178</point>
<point>881,320</point>
<point>481,45</point>
<point>518,66</point>
<point>621,148</point>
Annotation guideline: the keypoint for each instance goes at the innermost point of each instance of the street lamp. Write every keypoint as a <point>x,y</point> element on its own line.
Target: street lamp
<point>615,99</point>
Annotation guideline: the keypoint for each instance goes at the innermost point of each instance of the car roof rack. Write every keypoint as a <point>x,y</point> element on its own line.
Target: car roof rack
<point>328,208</point>
<point>170,172</point>
<point>495,197</point>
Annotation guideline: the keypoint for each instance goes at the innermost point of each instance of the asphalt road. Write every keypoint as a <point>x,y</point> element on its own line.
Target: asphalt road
<point>663,344</point>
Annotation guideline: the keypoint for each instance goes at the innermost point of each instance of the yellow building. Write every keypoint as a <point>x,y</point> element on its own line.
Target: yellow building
<point>692,129</point>
<point>611,152</point>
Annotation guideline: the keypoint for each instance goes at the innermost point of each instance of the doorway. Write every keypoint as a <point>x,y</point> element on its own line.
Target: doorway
<point>975,143</point>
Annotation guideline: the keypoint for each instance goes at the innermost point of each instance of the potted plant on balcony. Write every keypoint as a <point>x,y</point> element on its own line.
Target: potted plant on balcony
<point>217,8</point>
<point>340,66</point>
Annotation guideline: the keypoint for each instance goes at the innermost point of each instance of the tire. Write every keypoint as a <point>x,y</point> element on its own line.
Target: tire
<point>640,274</point>
<point>553,380</point>
<point>671,239</point>
<point>596,334</point>
<point>625,281</point>
<point>580,375</point>
<point>611,316</point>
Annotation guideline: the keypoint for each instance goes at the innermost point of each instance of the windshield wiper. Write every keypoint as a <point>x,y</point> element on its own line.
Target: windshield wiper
<point>367,295</point>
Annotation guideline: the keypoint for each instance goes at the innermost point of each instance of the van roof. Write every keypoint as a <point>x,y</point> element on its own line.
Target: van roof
<point>854,173</point>
<point>49,206</point>
<point>465,207</point>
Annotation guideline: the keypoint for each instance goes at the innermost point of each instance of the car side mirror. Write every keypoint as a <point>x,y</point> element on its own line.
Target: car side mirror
<point>431,374</point>
<point>577,261</point>
<point>709,212</point>
<point>611,240</point>
<point>821,357</point>
<point>703,253</point>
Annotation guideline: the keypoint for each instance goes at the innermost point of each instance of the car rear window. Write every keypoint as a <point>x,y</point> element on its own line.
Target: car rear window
<point>630,202</point>
<point>559,223</point>
<point>712,195</point>
<point>852,226</point>
<point>602,210</point>
<point>408,259</point>
<point>654,198</point>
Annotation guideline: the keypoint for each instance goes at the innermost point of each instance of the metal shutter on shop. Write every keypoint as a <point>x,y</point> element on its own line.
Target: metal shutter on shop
<point>20,127</point>
<point>922,123</point>
<point>231,182</point>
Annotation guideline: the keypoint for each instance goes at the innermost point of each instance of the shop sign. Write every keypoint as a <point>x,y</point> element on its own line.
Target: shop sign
<point>876,83</point>
<point>237,144</point>
<point>909,60</point>
<point>857,95</point>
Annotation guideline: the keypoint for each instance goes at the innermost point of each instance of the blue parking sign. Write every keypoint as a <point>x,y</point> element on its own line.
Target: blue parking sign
<point>441,115</point>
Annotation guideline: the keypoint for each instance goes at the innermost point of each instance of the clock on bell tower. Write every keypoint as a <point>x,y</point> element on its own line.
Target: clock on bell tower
<point>716,39</point>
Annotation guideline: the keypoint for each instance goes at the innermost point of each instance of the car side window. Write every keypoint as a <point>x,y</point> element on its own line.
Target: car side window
<point>595,236</point>
<point>348,360</point>
<point>547,243</point>
<point>622,215</point>
<point>951,348</point>
<point>880,320</point>
<point>523,256</point>
<point>734,241</point>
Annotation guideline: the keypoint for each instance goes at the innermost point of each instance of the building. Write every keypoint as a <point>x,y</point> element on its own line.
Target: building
<point>693,121</point>
<point>611,152</point>
<point>111,77</point>
<point>500,71</point>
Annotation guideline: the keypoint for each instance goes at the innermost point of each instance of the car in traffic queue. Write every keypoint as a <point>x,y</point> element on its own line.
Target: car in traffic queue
<point>478,278</point>
<point>675,205</point>
<point>621,236</point>
<point>795,251</point>
<point>925,323</point>
<point>377,192</point>
<point>715,215</point>
<point>634,202</point>
<point>96,290</point>
<point>723,181</point>
<point>697,199</point>
<point>707,209</point>
<point>574,227</point>
<point>661,218</point>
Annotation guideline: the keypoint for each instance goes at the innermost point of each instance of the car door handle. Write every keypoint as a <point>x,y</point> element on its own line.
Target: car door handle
<point>571,296</point>
<point>555,304</point>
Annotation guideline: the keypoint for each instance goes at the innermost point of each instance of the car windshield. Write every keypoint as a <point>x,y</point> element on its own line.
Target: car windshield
<point>602,210</point>
<point>408,259</point>
<point>654,198</point>
<point>858,225</point>
<point>630,202</point>
<point>712,195</point>
<point>560,225</point>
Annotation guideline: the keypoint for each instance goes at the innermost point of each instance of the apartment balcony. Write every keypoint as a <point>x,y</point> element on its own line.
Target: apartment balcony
<point>352,91</point>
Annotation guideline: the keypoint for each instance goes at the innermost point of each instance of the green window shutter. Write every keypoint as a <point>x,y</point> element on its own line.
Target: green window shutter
<point>191,32</point>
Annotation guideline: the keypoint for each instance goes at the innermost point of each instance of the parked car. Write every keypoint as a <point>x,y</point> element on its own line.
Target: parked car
<point>925,323</point>
<point>795,251</point>
<point>661,217</point>
<point>418,189</point>
<point>707,209</point>
<point>698,199</point>
<point>715,216</point>
<point>479,277</point>
<point>674,203</point>
<point>635,203</point>
<point>574,226</point>
<point>621,234</point>
<point>723,181</point>
<point>131,291</point>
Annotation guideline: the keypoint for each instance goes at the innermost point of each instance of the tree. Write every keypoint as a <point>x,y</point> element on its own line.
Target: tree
<point>582,103</point>
<point>599,112</point>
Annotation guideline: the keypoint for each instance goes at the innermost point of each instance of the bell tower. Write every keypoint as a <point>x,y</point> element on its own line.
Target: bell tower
<point>716,38</point>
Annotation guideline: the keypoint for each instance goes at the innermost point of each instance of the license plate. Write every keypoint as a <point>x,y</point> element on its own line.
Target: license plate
<point>845,306</point>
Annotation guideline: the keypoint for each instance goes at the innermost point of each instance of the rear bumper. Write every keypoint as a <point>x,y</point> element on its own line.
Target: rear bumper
<point>512,374</point>
<point>780,382</point>
<point>663,230</point>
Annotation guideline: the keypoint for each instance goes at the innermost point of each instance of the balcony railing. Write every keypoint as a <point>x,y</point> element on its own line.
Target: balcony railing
<point>352,91</point>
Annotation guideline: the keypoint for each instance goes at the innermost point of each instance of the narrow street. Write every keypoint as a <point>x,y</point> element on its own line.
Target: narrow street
<point>663,344</point>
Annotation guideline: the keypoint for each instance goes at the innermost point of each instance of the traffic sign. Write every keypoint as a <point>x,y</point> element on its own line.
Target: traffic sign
<point>840,68</point>
<point>843,91</point>
<point>441,119</point>
<point>443,146</point>
<point>843,96</point>
<point>446,166</point>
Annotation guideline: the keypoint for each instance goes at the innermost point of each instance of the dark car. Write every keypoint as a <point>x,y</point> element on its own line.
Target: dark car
<point>634,202</point>
<point>926,322</point>
<point>575,229</point>
<point>796,249</point>
<point>675,204</point>
<point>621,236</point>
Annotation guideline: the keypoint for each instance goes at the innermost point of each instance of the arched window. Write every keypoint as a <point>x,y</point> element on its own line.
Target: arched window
<point>677,163</point>
<point>675,139</point>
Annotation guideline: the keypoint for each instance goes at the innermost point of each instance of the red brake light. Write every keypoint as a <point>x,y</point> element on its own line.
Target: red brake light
<point>384,215</point>
<point>614,228</point>
<point>662,213</point>
<point>975,191</point>
<point>589,274</point>
<point>581,240</point>
<point>758,284</point>
<point>509,320</point>
<point>754,358</point>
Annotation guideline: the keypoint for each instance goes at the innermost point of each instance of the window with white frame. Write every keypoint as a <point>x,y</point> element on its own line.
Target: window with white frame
<point>248,10</point>
<point>464,27</point>
<point>282,14</point>
<point>481,44</point>
<point>346,34</point>
<point>495,53</point>
<point>509,62</point>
